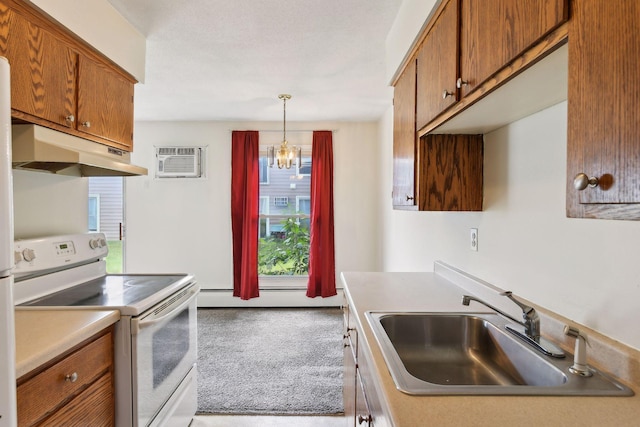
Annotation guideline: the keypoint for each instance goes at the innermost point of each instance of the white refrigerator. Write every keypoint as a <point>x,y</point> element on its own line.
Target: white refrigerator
<point>7,318</point>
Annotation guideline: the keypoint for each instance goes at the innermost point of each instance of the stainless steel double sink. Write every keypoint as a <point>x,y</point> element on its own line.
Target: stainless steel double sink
<point>473,354</point>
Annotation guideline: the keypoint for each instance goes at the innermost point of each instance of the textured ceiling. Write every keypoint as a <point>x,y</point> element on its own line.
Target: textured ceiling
<point>229,59</point>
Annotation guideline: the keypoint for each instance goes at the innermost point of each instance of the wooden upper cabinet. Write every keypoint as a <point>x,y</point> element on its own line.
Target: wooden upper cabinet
<point>59,81</point>
<point>451,177</point>
<point>493,33</point>
<point>105,103</point>
<point>43,70</point>
<point>603,132</point>
<point>404,138</point>
<point>437,66</point>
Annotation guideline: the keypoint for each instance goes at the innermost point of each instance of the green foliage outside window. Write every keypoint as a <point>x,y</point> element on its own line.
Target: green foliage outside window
<point>287,254</point>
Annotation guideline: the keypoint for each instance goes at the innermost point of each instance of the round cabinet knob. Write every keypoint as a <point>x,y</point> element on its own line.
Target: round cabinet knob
<point>446,94</point>
<point>71,378</point>
<point>582,181</point>
<point>28,254</point>
<point>70,118</point>
<point>86,124</point>
<point>460,83</point>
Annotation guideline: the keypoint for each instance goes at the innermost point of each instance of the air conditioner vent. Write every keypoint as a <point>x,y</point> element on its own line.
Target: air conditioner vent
<point>179,162</point>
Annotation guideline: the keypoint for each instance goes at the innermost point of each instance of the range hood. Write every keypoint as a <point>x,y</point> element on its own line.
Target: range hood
<point>42,149</point>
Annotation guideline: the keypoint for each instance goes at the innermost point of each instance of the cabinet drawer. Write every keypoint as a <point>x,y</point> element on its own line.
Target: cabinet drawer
<point>49,389</point>
<point>93,407</point>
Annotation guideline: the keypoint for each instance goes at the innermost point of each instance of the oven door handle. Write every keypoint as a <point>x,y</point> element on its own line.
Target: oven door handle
<point>161,313</point>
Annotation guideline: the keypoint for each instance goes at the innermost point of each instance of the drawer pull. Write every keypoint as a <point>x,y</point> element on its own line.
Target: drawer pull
<point>365,419</point>
<point>72,378</point>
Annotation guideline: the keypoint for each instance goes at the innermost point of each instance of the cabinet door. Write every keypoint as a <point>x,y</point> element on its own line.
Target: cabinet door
<point>451,172</point>
<point>105,103</point>
<point>350,345</point>
<point>43,70</point>
<point>494,32</point>
<point>437,67</point>
<point>363,412</point>
<point>404,138</point>
<point>603,100</point>
<point>349,385</point>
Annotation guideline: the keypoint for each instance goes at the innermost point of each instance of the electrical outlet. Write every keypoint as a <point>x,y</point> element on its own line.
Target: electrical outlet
<point>473,239</point>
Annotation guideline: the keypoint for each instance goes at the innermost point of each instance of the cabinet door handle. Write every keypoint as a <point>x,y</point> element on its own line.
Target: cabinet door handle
<point>460,83</point>
<point>446,94</point>
<point>86,124</point>
<point>71,378</point>
<point>70,118</point>
<point>365,419</point>
<point>582,181</point>
<point>409,197</point>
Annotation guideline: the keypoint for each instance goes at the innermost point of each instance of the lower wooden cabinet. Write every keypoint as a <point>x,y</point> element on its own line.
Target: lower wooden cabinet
<point>75,389</point>
<point>361,403</point>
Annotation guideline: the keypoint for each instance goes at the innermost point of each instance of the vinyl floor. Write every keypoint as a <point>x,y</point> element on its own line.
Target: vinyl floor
<point>267,421</point>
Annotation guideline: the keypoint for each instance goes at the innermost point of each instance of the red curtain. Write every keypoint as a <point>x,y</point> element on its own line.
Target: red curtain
<point>245,187</point>
<point>322,265</point>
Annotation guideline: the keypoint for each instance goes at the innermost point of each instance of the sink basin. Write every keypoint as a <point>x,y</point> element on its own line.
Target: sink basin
<point>462,353</point>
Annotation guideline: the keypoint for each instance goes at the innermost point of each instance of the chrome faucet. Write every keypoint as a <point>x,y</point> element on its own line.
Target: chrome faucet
<point>530,322</point>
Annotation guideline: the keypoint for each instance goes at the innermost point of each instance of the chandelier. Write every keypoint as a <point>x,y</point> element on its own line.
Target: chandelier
<point>285,156</point>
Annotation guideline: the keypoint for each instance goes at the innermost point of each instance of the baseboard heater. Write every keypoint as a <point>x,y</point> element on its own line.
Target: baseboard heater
<point>268,298</point>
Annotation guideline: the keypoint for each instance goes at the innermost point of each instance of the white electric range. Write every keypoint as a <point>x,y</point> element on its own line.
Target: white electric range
<point>156,338</point>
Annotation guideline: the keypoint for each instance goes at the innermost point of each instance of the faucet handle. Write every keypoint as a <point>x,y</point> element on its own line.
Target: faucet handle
<point>525,308</point>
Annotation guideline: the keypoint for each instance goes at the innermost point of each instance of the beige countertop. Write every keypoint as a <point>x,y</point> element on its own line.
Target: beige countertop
<point>432,292</point>
<point>41,335</point>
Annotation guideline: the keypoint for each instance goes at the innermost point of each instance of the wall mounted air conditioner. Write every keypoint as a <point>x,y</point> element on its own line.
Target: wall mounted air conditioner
<point>179,162</point>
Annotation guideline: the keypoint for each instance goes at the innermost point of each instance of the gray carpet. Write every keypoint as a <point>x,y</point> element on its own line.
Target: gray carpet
<point>270,361</point>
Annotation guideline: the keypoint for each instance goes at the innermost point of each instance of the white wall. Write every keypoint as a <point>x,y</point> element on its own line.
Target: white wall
<point>585,270</point>
<point>184,225</point>
<point>46,204</point>
<point>411,18</point>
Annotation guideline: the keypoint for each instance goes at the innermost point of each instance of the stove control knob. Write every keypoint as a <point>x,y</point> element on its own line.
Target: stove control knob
<point>94,243</point>
<point>17,256</point>
<point>28,254</point>
<point>103,243</point>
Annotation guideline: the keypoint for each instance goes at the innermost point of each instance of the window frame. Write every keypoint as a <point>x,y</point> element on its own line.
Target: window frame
<point>266,169</point>
<point>95,197</point>
<point>298,167</point>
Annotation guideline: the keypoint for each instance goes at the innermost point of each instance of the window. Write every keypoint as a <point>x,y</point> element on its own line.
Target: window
<point>303,207</point>
<point>264,170</point>
<point>283,249</point>
<point>281,201</point>
<point>94,212</point>
<point>305,168</point>
<point>106,207</point>
<point>264,220</point>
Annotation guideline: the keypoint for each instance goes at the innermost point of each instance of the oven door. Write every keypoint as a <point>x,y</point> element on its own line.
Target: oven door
<point>164,349</point>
